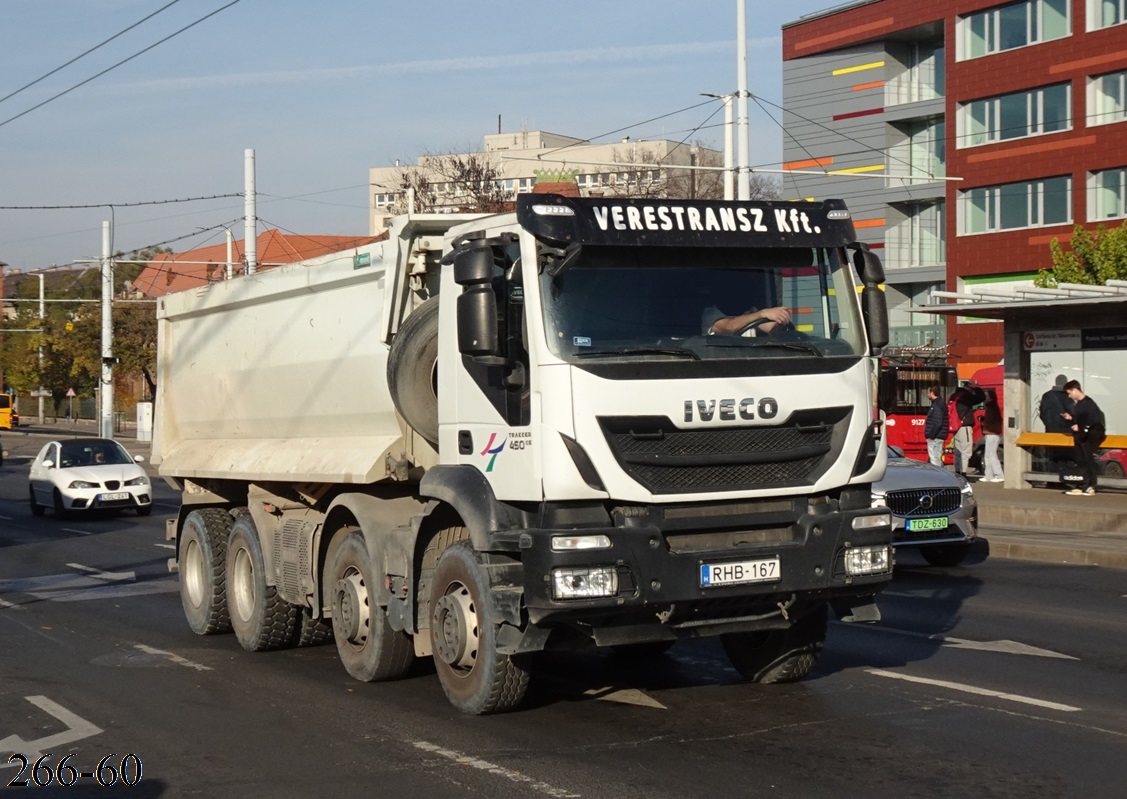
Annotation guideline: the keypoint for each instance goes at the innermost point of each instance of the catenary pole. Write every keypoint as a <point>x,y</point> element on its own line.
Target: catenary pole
<point>743,181</point>
<point>105,416</point>
<point>250,244</point>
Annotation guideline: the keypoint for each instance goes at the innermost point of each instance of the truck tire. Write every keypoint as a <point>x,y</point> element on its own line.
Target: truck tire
<point>476,677</point>
<point>412,370</point>
<point>777,656</point>
<point>945,554</point>
<point>203,567</point>
<point>261,619</point>
<point>369,648</point>
<point>313,632</point>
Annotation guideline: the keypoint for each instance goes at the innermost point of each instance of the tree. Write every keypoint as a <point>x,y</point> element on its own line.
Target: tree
<point>1095,257</point>
<point>471,182</point>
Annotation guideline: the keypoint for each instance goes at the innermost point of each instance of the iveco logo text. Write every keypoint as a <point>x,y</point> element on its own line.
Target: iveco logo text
<point>730,409</point>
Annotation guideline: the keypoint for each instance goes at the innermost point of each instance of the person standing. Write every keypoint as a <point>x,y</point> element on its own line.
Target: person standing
<point>992,432</point>
<point>1088,433</point>
<point>935,427</point>
<point>965,397</point>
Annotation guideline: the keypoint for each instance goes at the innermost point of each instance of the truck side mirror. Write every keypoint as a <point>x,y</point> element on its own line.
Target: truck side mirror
<point>474,269</point>
<point>477,322</point>
<point>875,310</point>
<point>868,266</point>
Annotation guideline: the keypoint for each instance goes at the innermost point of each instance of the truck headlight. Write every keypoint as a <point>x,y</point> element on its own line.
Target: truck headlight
<point>584,583</point>
<point>872,521</point>
<point>867,560</point>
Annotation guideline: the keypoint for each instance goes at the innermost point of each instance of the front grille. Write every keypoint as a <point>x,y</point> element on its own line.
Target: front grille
<point>666,459</point>
<point>924,502</point>
<point>113,485</point>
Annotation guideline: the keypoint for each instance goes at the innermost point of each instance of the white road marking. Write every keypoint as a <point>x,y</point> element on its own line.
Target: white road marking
<point>179,661</point>
<point>6,605</point>
<point>1004,646</point>
<point>625,696</point>
<point>74,530</point>
<point>492,768</point>
<point>77,729</point>
<point>98,574</point>
<point>974,689</point>
<point>166,546</point>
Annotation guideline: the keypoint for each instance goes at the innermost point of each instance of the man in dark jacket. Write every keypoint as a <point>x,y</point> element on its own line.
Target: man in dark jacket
<point>1054,404</point>
<point>935,426</point>
<point>1088,431</point>
<point>965,398</point>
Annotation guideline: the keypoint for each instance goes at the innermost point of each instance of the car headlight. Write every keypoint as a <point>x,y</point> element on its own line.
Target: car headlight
<point>138,481</point>
<point>82,484</point>
<point>964,486</point>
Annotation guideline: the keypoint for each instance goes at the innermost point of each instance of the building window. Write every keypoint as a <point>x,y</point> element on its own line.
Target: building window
<point>1016,205</point>
<point>1107,194</point>
<point>1105,13</point>
<point>920,238</point>
<point>1014,116</point>
<point>1010,26</point>
<point>920,149</point>
<point>923,77</point>
<point>1107,98</point>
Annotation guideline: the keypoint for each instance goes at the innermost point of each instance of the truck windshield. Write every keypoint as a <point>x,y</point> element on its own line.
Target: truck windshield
<point>631,303</point>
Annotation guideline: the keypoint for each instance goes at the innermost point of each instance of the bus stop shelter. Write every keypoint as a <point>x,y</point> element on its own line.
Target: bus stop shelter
<point>1077,331</point>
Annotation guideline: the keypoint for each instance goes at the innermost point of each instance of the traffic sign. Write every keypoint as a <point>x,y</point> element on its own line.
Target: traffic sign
<point>70,392</point>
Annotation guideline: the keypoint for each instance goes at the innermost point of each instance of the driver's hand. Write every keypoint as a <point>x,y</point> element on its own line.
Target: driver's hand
<point>780,315</point>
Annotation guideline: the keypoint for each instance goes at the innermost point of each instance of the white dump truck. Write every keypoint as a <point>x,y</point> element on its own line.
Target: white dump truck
<point>619,423</point>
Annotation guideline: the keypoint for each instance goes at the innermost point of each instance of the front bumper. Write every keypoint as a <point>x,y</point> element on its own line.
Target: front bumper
<point>658,567</point>
<point>962,528</point>
<point>95,498</point>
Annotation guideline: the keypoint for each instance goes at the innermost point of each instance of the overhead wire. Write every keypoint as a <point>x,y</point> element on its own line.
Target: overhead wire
<point>118,64</point>
<point>87,52</point>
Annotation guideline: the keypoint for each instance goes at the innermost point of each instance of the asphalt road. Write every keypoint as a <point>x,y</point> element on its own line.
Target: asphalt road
<point>998,679</point>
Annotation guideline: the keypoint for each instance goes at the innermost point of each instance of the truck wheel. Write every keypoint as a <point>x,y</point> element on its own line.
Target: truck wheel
<point>412,370</point>
<point>261,619</point>
<point>313,632</point>
<point>36,508</point>
<point>945,554</point>
<point>368,647</point>
<point>477,678</point>
<point>202,566</point>
<point>774,656</point>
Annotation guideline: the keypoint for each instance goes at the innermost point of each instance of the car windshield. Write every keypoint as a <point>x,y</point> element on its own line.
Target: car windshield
<point>660,302</point>
<point>90,454</point>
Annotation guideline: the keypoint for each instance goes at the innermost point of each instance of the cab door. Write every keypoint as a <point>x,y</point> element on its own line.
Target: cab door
<point>486,421</point>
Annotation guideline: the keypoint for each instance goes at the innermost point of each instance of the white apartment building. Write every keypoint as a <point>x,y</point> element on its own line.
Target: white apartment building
<point>628,167</point>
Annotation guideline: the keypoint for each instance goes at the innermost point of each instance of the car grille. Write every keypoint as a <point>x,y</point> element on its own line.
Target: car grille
<point>924,502</point>
<point>113,485</point>
<point>666,459</point>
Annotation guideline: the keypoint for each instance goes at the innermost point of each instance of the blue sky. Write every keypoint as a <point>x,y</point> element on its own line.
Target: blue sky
<point>323,92</point>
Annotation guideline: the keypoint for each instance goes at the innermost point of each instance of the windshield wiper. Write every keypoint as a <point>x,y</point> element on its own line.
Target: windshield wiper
<point>679,351</point>
<point>729,341</point>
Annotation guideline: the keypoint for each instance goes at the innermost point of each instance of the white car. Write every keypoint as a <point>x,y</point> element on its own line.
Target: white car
<point>85,474</point>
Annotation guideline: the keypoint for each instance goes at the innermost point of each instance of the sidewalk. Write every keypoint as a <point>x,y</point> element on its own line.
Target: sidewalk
<point>1041,524</point>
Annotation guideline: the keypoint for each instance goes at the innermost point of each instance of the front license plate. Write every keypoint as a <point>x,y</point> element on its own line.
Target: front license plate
<point>744,571</point>
<point>934,523</point>
<point>114,497</point>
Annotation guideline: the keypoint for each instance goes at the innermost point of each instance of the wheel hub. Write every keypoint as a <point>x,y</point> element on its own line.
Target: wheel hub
<point>352,613</point>
<point>455,628</point>
<point>192,567</point>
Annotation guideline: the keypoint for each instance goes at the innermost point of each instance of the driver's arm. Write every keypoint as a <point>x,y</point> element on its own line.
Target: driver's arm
<point>730,325</point>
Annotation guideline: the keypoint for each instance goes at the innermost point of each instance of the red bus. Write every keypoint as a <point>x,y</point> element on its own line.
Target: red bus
<point>906,373</point>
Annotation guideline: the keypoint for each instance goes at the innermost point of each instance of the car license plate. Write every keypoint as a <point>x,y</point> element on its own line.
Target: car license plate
<point>119,495</point>
<point>740,572</point>
<point>934,523</point>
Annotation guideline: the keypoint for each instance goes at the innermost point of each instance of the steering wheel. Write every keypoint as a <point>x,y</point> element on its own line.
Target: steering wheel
<point>754,323</point>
